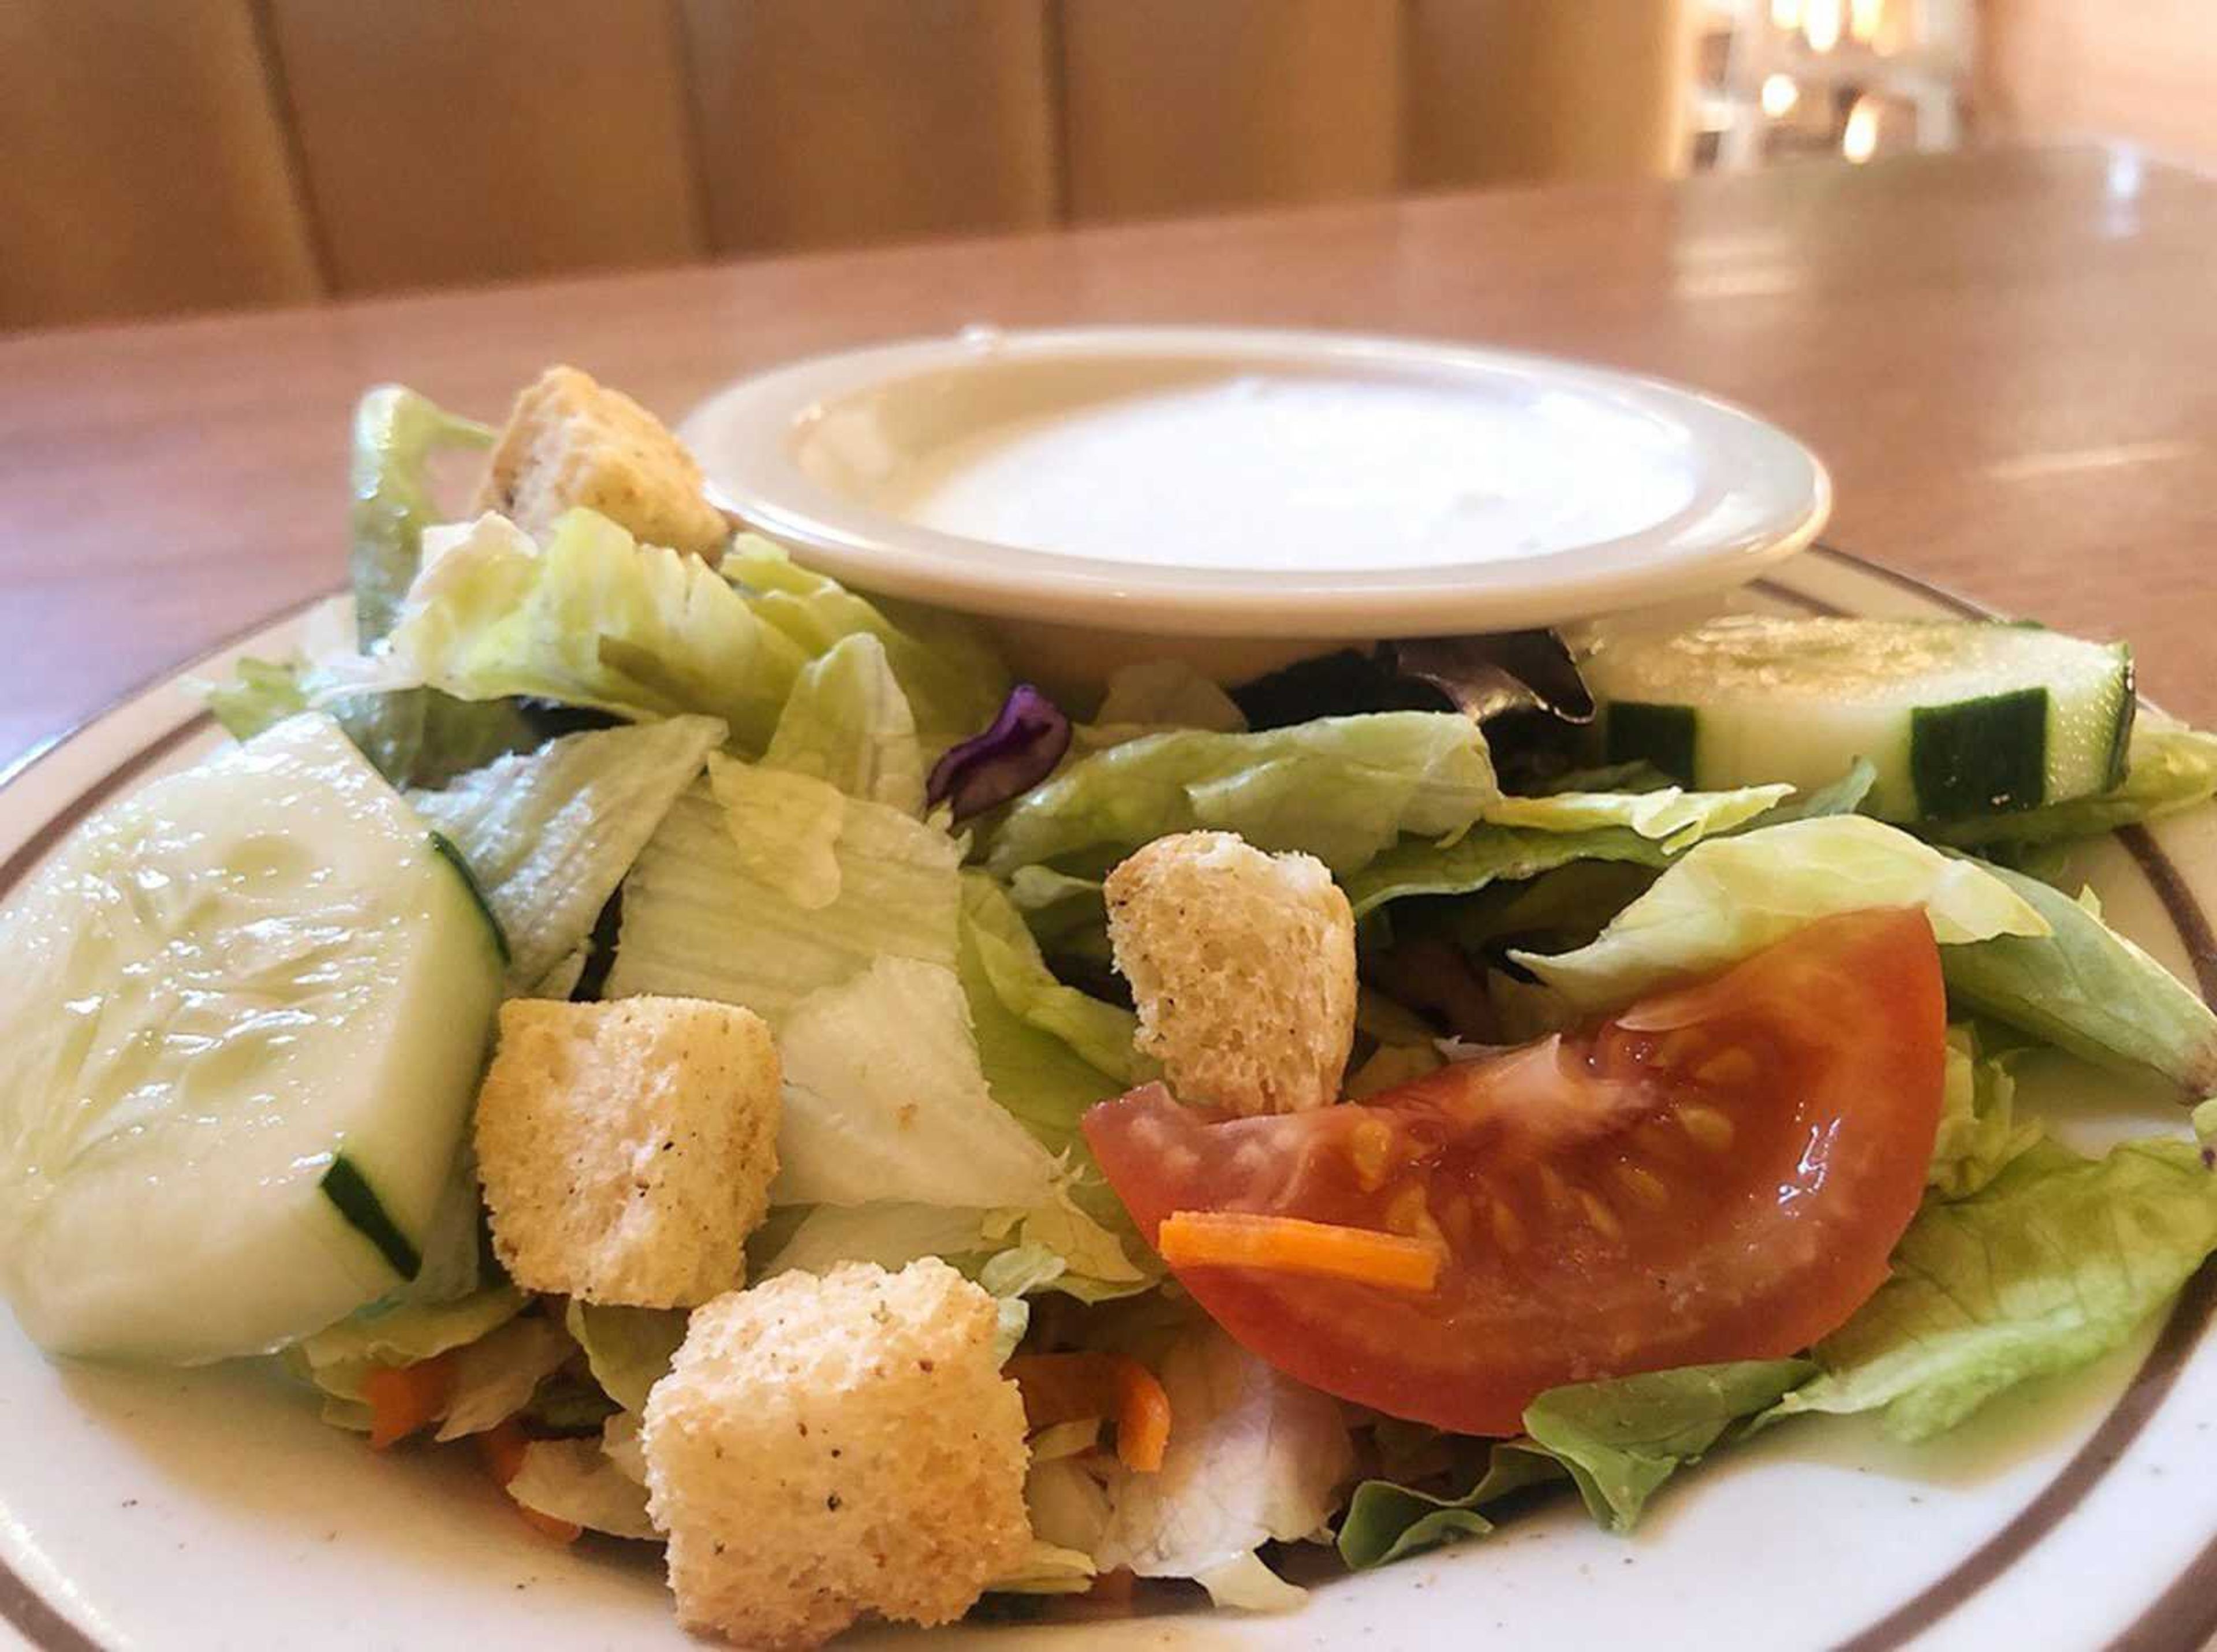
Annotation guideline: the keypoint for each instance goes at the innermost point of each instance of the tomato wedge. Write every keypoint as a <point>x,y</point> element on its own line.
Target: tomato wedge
<point>1720,1172</point>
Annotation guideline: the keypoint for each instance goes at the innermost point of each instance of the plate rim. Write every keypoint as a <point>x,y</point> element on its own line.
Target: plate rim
<point>765,489</point>
<point>2183,1616</point>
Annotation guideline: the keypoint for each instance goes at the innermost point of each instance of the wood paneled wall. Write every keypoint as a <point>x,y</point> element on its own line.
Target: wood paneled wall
<point>161,155</point>
<point>2143,70</point>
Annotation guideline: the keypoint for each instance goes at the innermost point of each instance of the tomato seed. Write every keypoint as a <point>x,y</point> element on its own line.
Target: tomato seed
<point>1708,1126</point>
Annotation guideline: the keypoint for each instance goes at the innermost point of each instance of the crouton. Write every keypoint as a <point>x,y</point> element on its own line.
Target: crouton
<point>626,1150</point>
<point>1243,967</point>
<point>824,1447</point>
<point>571,442</point>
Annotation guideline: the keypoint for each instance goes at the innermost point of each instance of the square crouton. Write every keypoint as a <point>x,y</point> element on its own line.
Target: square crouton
<point>571,442</point>
<point>626,1150</point>
<point>824,1447</point>
<point>1243,968</point>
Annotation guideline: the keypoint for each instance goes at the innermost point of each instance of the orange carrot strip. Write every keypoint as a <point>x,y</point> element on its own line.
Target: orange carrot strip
<point>502,1448</point>
<point>1065,1388</point>
<point>404,1398</point>
<point>1238,1239</point>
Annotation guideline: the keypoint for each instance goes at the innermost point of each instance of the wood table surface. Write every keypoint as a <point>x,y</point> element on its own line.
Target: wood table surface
<point>2007,358</point>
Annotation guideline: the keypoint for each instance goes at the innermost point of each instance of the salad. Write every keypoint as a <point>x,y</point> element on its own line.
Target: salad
<point>711,1044</point>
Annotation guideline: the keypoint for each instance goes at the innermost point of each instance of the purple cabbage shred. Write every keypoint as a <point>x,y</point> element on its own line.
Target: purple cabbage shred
<point>1027,739</point>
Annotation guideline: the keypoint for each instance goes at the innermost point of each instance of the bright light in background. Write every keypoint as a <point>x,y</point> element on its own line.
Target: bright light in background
<point>1860,139</point>
<point>1786,14</point>
<point>1821,23</point>
<point>1864,17</point>
<point>1779,94</point>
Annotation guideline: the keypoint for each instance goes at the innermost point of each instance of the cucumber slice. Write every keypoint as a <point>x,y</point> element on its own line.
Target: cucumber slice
<point>248,1012</point>
<point>1958,718</point>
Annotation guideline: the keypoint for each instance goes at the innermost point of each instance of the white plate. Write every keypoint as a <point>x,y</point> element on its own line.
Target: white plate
<point>190,1510</point>
<point>1422,487</point>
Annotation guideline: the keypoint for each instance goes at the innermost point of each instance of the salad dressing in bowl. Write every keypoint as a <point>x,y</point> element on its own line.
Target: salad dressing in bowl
<point>1241,498</point>
<point>1293,473</point>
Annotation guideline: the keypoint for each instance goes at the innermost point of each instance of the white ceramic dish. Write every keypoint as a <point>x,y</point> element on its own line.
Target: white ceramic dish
<point>1093,489</point>
<point>183,1511</point>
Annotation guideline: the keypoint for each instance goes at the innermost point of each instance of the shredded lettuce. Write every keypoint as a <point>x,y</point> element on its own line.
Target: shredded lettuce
<point>413,736</point>
<point>549,836</point>
<point>260,694</point>
<point>1528,838</point>
<point>1487,855</point>
<point>1343,789</point>
<point>785,829</point>
<point>697,923</point>
<point>1047,1569</point>
<point>951,678</point>
<point>2087,989</point>
<point>1979,1131</point>
<point>338,1358</point>
<point>1011,1253</point>
<point>577,1480</point>
<point>595,619</point>
<point>396,432</point>
<point>2050,1264</point>
<point>848,723</point>
<point>1729,898</point>
<point>885,1100</point>
<point>1671,817</point>
<point>1154,695</point>
<point>890,1232</point>
<point>1253,1455</point>
<point>496,1375</point>
<point>2170,767</point>
<point>628,1350</point>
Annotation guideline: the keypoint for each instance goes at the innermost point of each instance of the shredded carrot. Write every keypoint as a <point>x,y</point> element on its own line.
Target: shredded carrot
<point>503,1448</point>
<point>1291,1244</point>
<point>404,1398</point>
<point>1065,1388</point>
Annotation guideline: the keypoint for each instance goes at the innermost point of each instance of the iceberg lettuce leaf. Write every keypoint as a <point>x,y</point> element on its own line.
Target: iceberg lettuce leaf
<point>885,1100</point>
<point>1343,789</point>
<point>1728,898</point>
<point>951,678</point>
<point>578,1482</point>
<point>698,923</point>
<point>549,835</point>
<point>1253,1455</point>
<point>848,724</point>
<point>496,1375</point>
<point>1669,816</point>
<point>593,619</point>
<point>628,1350</point>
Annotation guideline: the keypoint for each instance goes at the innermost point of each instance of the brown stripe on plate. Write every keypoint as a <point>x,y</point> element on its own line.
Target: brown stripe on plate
<point>1909,582</point>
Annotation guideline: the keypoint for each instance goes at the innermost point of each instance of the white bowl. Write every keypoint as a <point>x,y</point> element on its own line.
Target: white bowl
<point>1244,496</point>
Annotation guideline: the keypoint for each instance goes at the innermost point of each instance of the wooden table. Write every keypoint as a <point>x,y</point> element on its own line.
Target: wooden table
<point>2008,359</point>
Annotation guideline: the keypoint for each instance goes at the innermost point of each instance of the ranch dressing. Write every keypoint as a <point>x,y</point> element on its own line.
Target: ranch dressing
<point>1294,474</point>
